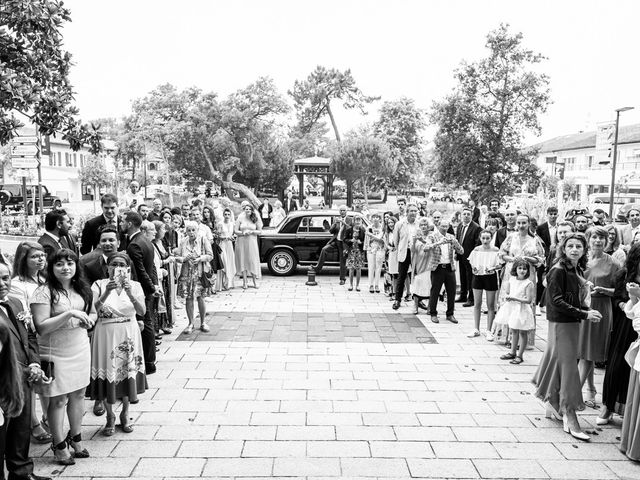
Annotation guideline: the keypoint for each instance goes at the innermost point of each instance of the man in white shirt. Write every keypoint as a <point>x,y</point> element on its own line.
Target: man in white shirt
<point>133,198</point>
<point>203,230</point>
<point>403,235</point>
<point>628,232</point>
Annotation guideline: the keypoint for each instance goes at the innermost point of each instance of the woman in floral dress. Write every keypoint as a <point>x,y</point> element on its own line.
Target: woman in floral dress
<point>117,360</point>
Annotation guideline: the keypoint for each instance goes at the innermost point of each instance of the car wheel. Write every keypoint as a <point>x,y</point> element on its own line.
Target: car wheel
<point>282,262</point>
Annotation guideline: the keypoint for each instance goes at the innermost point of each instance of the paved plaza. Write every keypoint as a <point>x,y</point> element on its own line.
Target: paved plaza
<point>318,382</point>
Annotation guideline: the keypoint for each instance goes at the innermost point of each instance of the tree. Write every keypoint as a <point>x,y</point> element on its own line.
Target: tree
<point>363,158</point>
<point>481,125</point>
<point>549,185</point>
<point>313,96</point>
<point>94,173</point>
<point>34,73</point>
<point>400,125</point>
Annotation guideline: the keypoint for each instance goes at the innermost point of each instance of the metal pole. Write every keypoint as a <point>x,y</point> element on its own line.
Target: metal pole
<point>24,194</point>
<point>613,166</point>
<point>40,198</point>
<point>145,171</point>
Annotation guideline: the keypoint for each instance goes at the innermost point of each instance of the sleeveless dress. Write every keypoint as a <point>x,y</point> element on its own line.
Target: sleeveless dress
<point>247,254</point>
<point>518,315</point>
<point>228,254</point>
<point>67,347</point>
<point>117,365</point>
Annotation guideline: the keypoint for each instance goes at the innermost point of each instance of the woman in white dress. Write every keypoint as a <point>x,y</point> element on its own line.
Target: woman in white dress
<point>248,226</point>
<point>421,278</point>
<point>117,360</point>
<point>278,214</point>
<point>61,313</point>
<point>226,237</point>
<point>28,274</point>
<point>375,248</point>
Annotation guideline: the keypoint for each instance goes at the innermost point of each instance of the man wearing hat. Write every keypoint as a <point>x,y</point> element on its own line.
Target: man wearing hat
<point>133,199</point>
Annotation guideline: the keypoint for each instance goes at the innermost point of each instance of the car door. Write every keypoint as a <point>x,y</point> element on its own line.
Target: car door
<point>312,235</point>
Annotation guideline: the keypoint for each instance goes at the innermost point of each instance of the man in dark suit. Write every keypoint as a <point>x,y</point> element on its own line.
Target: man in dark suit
<point>338,230</point>
<point>494,206</point>
<point>468,235</point>
<point>547,233</point>
<point>510,217</point>
<point>289,203</point>
<point>56,235</point>
<point>93,265</point>
<point>475,215</point>
<point>15,432</point>
<point>264,212</point>
<point>89,239</point>
<point>141,253</point>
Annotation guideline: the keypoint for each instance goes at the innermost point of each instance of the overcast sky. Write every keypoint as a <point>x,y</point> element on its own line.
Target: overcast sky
<point>122,49</point>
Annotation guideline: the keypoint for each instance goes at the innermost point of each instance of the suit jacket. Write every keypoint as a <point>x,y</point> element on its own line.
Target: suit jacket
<point>335,227</point>
<point>141,253</point>
<point>471,239</point>
<point>24,341</point>
<point>435,259</point>
<point>543,232</point>
<point>401,238</point>
<point>501,235</point>
<point>154,216</point>
<point>90,236</point>
<point>289,207</point>
<point>627,233</point>
<point>93,267</point>
<point>475,215</point>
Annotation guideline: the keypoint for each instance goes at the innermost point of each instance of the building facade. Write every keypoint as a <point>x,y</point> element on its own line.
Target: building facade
<point>572,158</point>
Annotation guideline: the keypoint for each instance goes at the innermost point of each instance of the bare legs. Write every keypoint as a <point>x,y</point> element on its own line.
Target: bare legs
<point>518,342</point>
<point>477,307</point>
<point>586,375</point>
<point>74,403</point>
<point>357,273</point>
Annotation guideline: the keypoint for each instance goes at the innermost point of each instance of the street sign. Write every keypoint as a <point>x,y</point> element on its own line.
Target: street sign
<point>24,150</point>
<point>24,162</point>
<point>26,139</point>
<point>604,142</point>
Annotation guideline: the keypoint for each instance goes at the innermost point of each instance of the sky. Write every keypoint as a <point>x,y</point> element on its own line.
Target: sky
<point>122,49</point>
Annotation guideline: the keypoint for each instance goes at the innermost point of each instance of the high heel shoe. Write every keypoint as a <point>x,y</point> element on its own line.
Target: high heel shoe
<point>73,441</point>
<point>63,456</point>
<point>110,427</point>
<point>604,420</point>
<point>124,425</point>
<point>579,435</point>
<point>551,412</point>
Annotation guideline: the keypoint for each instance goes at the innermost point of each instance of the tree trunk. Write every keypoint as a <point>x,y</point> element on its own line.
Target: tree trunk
<point>333,122</point>
<point>385,195</point>
<point>133,169</point>
<point>364,191</point>
<point>229,184</point>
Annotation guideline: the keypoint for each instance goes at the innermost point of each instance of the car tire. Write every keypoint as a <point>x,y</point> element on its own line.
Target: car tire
<point>282,262</point>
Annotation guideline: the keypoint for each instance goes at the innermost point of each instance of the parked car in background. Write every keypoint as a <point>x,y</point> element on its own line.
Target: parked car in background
<point>298,240</point>
<point>11,197</point>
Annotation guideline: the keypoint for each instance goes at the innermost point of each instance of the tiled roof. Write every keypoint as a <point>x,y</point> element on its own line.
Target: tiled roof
<point>627,134</point>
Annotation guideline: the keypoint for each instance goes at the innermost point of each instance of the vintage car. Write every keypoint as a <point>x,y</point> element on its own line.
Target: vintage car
<point>298,240</point>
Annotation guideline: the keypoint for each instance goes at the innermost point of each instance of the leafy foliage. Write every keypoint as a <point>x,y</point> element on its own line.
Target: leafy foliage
<point>34,73</point>
<point>363,158</point>
<point>94,172</point>
<point>400,125</point>
<point>481,125</point>
<point>313,96</point>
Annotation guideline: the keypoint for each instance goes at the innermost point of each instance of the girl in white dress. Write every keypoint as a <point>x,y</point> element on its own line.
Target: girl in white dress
<point>517,310</point>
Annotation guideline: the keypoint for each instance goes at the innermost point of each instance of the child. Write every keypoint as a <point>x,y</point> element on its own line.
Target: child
<point>517,309</point>
<point>354,238</point>
<point>484,265</point>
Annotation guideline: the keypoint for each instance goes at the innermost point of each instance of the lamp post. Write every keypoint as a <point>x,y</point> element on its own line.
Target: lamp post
<point>615,159</point>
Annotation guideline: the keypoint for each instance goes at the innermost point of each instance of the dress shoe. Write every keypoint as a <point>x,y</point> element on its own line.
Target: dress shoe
<point>98,409</point>
<point>452,319</point>
<point>33,476</point>
<point>149,368</point>
<point>396,305</point>
<point>575,434</point>
<point>434,319</point>
<point>467,304</point>
<point>423,305</point>
<point>341,282</point>
<point>461,299</point>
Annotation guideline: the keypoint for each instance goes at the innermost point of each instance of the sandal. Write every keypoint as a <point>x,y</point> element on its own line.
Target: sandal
<point>44,437</point>
<point>516,361</point>
<point>72,441</point>
<point>188,330</point>
<point>59,451</point>
<point>124,426</point>
<point>507,356</point>
<point>204,328</point>
<point>110,427</point>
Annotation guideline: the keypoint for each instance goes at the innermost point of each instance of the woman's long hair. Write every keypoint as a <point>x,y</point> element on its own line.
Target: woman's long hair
<point>209,222</point>
<point>633,263</point>
<point>561,254</point>
<point>20,269</point>
<point>11,394</point>
<point>77,284</point>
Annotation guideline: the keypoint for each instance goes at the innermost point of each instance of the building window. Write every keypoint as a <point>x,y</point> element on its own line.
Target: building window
<point>570,163</point>
<point>75,160</point>
<point>59,159</point>
<point>51,159</point>
<point>590,161</point>
<point>67,159</point>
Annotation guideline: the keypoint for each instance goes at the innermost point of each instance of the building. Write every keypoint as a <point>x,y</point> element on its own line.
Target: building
<point>573,158</point>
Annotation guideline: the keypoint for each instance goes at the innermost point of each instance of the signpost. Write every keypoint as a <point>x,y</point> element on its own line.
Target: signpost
<point>25,154</point>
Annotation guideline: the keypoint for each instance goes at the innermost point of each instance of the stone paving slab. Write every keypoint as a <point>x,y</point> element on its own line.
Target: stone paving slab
<point>331,405</point>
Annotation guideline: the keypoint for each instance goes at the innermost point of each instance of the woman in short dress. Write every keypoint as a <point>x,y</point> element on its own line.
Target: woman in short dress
<point>61,315</point>
<point>226,237</point>
<point>248,226</point>
<point>374,246</point>
<point>195,254</point>
<point>595,337</point>
<point>117,360</point>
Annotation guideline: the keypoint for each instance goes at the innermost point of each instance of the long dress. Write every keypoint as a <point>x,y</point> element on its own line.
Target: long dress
<point>117,358</point>
<point>616,377</point>
<point>630,436</point>
<point>225,230</point>
<point>67,347</point>
<point>165,302</point>
<point>595,336</point>
<point>247,253</point>
<point>421,278</point>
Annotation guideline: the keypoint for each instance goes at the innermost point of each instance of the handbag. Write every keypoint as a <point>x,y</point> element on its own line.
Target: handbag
<point>48,369</point>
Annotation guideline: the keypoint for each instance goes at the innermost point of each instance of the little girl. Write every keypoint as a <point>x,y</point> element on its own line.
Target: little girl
<point>354,239</point>
<point>517,311</point>
<point>484,265</point>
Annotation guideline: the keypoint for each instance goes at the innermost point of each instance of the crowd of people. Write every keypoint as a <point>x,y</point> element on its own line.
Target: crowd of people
<point>90,312</point>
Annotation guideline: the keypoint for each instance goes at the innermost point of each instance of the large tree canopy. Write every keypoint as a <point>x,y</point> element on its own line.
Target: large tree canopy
<point>34,73</point>
<point>481,125</point>
<point>313,96</point>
